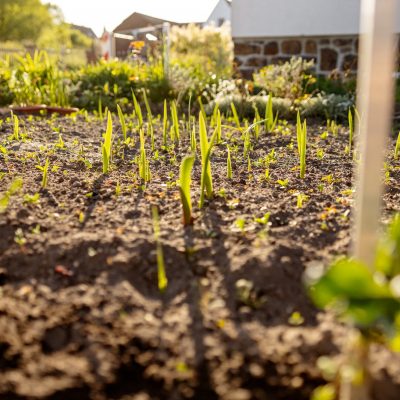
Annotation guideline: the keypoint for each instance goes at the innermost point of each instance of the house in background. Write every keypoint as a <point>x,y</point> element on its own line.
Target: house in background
<point>269,31</point>
<point>134,25</point>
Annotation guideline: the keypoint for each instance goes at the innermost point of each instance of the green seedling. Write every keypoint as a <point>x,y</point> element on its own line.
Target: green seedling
<point>301,129</point>
<point>283,183</point>
<point>240,223</point>
<point>301,198</point>
<point>148,109</point>
<point>165,123</point>
<point>206,148</point>
<point>184,188</point>
<point>175,122</point>
<point>100,109</point>
<point>235,115</point>
<point>31,198</point>
<point>397,148</point>
<point>367,296</point>
<point>264,219</point>
<point>15,135</point>
<point>270,119</point>
<point>14,188</point>
<point>106,146</point>
<point>214,115</point>
<point>60,143</point>
<point>193,139</point>
<point>219,129</point>
<point>202,109</point>
<point>320,154</point>
<point>144,165</point>
<point>228,164</point>
<point>45,172</point>
<point>138,110</point>
<point>162,277</point>
<point>122,122</point>
<point>351,130</point>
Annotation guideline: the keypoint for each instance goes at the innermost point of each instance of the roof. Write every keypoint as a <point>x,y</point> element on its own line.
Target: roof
<point>138,20</point>
<point>85,30</point>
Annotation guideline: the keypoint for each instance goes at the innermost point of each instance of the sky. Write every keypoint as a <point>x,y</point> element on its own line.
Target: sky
<point>98,14</point>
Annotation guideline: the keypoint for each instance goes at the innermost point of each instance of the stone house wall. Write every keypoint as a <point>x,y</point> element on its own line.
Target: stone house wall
<point>329,53</point>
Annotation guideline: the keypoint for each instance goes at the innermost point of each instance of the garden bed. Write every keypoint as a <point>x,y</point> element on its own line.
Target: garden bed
<point>81,316</point>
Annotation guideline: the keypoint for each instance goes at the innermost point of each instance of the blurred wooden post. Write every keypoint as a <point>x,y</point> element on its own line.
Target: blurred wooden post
<point>166,47</point>
<point>375,104</point>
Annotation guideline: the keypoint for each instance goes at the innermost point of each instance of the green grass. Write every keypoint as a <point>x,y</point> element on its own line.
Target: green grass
<point>301,129</point>
<point>106,146</point>
<point>184,188</point>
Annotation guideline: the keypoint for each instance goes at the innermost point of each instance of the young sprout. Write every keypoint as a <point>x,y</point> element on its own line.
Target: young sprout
<point>397,148</point>
<point>15,135</point>
<point>215,115</point>
<point>219,129</point>
<point>138,110</point>
<point>205,148</point>
<point>202,109</point>
<point>193,140</point>
<point>60,143</point>
<point>301,198</point>
<point>106,146</point>
<point>301,129</point>
<point>14,188</point>
<point>270,120</point>
<point>122,122</point>
<point>235,115</point>
<point>175,121</point>
<point>184,188</point>
<point>162,277</point>
<point>148,109</point>
<point>144,166</point>
<point>45,171</point>
<point>228,164</point>
<point>165,123</point>
<point>351,131</point>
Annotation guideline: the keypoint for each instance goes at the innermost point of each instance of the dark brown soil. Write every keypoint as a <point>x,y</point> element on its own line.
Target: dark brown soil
<point>81,316</point>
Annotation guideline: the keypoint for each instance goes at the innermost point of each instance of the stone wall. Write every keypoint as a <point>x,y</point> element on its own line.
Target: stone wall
<point>329,53</point>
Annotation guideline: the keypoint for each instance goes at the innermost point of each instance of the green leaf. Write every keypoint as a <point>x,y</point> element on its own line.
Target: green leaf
<point>184,187</point>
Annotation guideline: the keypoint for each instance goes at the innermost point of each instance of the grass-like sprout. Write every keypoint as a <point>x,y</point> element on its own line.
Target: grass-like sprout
<point>257,120</point>
<point>205,148</point>
<point>122,122</point>
<point>45,172</point>
<point>235,115</point>
<point>15,135</point>
<point>165,123</point>
<point>162,277</point>
<point>202,110</point>
<point>270,119</point>
<point>397,148</point>
<point>193,140</point>
<point>148,109</point>
<point>351,130</point>
<point>175,121</point>
<point>228,164</point>
<point>138,110</point>
<point>100,109</point>
<point>184,188</point>
<point>219,126</point>
<point>301,129</point>
<point>144,167</point>
<point>214,115</point>
<point>106,146</point>
<point>14,188</point>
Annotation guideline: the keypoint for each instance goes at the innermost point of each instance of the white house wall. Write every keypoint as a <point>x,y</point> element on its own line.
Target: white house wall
<point>222,11</point>
<point>288,18</point>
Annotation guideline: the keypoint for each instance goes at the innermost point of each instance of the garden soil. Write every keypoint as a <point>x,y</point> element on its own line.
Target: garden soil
<point>81,316</point>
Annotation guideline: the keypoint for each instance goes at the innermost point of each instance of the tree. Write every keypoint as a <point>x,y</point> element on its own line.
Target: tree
<point>23,20</point>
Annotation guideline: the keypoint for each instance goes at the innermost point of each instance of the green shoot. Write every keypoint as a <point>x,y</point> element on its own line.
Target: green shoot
<point>162,277</point>
<point>144,167</point>
<point>148,109</point>
<point>60,143</point>
<point>351,131</point>
<point>202,109</point>
<point>106,146</point>
<point>228,164</point>
<point>256,124</point>
<point>100,110</point>
<point>15,135</point>
<point>397,148</point>
<point>270,121</point>
<point>165,123</point>
<point>184,188</point>
<point>193,140</point>
<point>301,129</point>
<point>122,122</point>
<point>219,130</point>
<point>45,172</point>
<point>301,198</point>
<point>138,110</point>
<point>175,121</point>
<point>235,115</point>
<point>205,147</point>
<point>14,188</point>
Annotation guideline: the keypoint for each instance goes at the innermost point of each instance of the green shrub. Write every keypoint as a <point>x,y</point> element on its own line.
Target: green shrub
<point>113,81</point>
<point>289,80</point>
